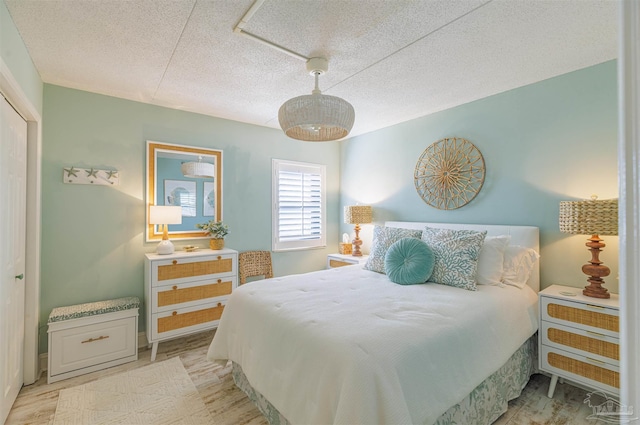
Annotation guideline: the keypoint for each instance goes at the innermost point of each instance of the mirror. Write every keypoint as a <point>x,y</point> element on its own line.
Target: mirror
<point>199,197</point>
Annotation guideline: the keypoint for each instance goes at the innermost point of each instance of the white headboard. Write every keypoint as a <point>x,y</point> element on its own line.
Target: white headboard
<point>528,236</point>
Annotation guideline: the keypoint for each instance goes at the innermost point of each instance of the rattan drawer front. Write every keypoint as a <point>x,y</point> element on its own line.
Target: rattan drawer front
<point>601,347</point>
<point>582,369</point>
<point>338,263</point>
<point>188,319</point>
<point>572,314</point>
<point>185,294</point>
<point>179,270</point>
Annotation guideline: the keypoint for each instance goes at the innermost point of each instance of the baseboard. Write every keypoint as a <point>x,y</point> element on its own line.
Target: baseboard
<point>43,359</point>
<point>43,363</point>
<point>142,341</point>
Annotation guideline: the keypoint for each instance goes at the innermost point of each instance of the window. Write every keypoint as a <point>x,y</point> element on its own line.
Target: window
<point>298,205</point>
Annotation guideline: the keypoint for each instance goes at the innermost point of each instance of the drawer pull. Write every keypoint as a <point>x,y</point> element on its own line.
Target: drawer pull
<point>174,313</point>
<point>595,306</point>
<point>95,339</point>
<point>219,280</point>
<point>219,257</point>
<point>175,262</point>
<point>594,360</point>
<point>175,287</point>
<point>219,304</point>
<point>596,334</point>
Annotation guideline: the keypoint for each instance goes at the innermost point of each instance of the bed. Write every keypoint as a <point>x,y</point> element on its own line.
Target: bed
<point>349,346</point>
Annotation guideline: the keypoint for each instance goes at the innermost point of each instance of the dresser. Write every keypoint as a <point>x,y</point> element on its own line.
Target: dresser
<point>341,260</point>
<point>579,338</point>
<point>186,292</point>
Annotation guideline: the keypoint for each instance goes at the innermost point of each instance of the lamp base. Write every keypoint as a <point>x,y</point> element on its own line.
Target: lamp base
<point>595,270</point>
<point>356,243</point>
<point>595,291</point>
<point>165,247</point>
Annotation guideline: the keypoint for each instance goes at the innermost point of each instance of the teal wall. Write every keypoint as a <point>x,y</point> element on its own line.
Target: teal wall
<point>170,170</point>
<point>550,141</point>
<point>93,236</point>
<point>15,55</point>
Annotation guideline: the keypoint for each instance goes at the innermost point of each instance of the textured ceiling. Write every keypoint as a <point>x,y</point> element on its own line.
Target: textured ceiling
<point>393,60</point>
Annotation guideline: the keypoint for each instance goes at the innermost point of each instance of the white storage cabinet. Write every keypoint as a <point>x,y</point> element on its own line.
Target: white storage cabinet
<point>88,337</point>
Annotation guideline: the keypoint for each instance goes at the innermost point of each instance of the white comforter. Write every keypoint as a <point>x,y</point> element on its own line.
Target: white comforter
<point>348,346</point>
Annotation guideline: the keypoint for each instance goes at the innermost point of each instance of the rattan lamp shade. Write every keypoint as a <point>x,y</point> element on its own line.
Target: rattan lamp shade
<point>591,217</point>
<point>358,214</point>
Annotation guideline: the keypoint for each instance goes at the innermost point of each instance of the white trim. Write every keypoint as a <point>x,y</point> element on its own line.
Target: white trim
<point>11,89</point>
<point>629,208</point>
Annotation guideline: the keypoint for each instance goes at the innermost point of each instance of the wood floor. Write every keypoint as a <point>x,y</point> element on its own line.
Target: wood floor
<point>36,404</point>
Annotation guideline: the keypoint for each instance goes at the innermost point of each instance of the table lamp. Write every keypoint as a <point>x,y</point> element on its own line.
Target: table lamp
<point>592,217</point>
<point>163,216</point>
<point>357,214</point>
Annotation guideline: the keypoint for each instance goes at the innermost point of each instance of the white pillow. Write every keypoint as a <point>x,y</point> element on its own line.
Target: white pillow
<point>518,265</point>
<point>491,259</point>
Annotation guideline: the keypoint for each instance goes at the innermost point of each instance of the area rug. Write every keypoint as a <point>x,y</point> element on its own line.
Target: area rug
<point>158,394</point>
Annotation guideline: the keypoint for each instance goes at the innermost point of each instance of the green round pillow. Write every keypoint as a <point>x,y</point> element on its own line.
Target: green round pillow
<point>409,261</point>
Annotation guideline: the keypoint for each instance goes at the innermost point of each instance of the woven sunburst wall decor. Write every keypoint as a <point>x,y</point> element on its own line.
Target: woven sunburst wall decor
<point>449,173</point>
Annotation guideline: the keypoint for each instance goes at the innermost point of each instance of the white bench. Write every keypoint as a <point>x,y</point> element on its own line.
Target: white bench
<point>84,338</point>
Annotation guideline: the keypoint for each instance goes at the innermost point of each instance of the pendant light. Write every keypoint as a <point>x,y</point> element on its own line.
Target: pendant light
<point>316,117</point>
<point>198,170</point>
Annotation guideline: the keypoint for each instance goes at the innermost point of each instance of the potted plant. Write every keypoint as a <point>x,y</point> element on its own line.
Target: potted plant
<point>217,230</point>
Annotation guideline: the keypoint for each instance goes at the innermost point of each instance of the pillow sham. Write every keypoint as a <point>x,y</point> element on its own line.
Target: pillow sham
<point>456,256</point>
<point>518,265</point>
<point>491,259</point>
<point>383,238</point>
<point>409,261</point>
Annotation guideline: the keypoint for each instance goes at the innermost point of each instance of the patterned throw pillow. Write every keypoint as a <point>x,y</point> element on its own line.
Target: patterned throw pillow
<point>456,253</point>
<point>383,238</point>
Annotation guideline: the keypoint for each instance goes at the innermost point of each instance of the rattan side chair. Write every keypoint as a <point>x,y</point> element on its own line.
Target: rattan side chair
<point>254,263</point>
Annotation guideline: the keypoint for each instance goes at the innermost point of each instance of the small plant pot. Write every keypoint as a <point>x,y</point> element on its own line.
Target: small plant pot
<point>216,243</point>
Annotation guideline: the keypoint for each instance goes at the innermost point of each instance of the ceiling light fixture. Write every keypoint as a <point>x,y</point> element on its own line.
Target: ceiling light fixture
<point>316,117</point>
<point>198,170</point>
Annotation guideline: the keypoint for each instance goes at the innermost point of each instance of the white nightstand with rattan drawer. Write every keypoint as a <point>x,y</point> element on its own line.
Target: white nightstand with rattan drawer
<point>341,260</point>
<point>579,339</point>
<point>186,292</point>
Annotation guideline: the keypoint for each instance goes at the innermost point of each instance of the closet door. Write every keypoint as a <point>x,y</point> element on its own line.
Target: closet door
<point>13,191</point>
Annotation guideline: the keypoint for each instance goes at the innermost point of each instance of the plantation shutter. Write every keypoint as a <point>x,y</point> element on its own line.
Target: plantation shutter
<point>299,205</point>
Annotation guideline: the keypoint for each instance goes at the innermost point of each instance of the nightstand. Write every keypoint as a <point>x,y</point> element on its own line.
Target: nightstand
<point>341,260</point>
<point>579,338</point>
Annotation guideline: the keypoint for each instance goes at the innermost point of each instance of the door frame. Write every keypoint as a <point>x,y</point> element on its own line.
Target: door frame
<point>12,91</point>
<point>629,187</point>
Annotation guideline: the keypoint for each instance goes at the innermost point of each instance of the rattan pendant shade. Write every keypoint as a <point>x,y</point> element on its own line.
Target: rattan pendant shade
<point>316,117</point>
<point>198,170</point>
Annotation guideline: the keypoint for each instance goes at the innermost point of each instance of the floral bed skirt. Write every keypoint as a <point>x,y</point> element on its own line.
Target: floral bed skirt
<point>486,403</point>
